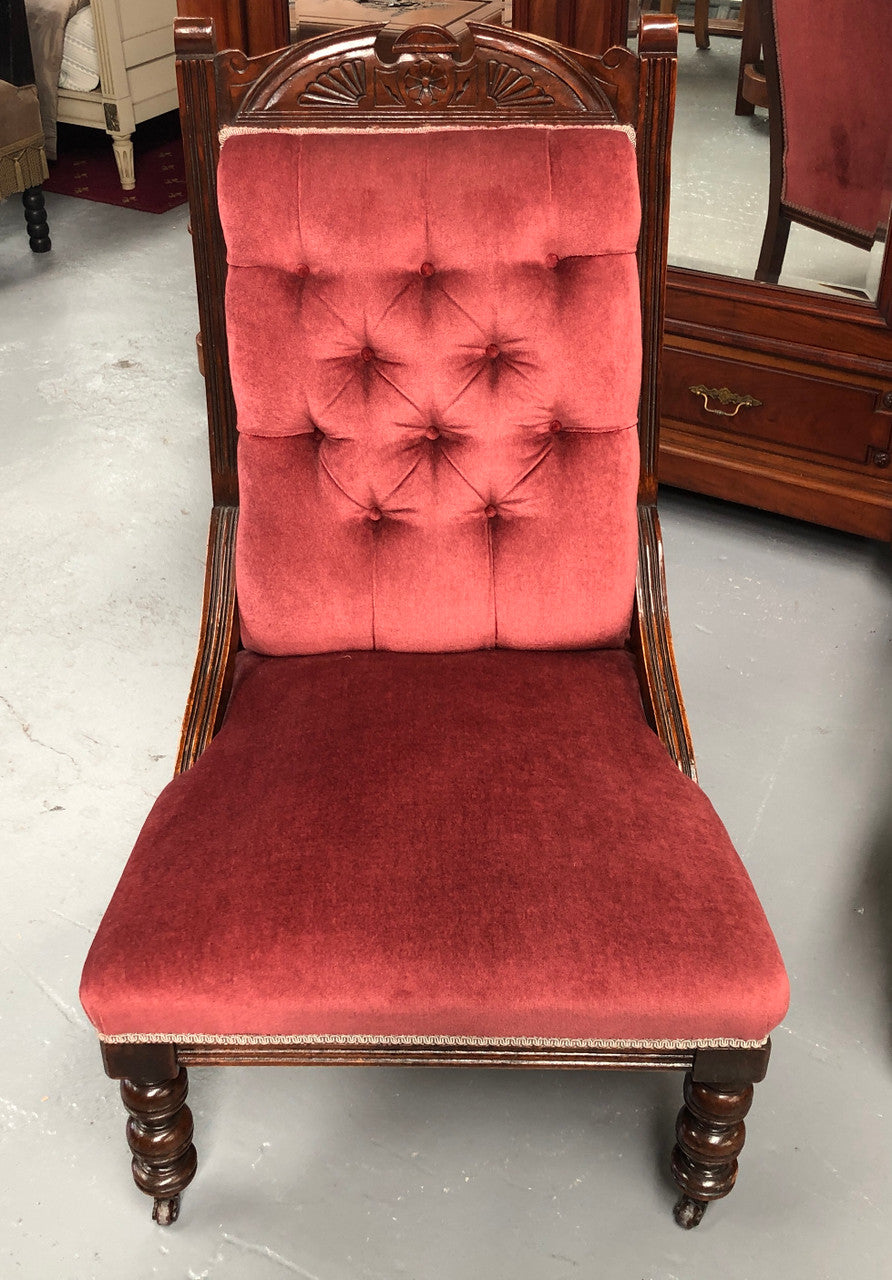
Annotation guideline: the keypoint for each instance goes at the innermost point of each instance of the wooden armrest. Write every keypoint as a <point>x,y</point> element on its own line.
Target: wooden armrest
<point>217,647</point>
<point>652,643</point>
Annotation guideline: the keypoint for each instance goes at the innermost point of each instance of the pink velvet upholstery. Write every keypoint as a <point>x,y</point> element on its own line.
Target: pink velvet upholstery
<point>487,844</point>
<point>437,371</point>
<point>833,57</point>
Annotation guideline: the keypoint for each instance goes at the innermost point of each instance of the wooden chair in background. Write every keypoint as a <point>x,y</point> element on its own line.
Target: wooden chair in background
<point>827,72</point>
<point>702,26</point>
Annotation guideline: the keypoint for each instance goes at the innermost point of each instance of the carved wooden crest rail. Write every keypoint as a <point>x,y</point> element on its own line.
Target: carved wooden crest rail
<point>424,71</point>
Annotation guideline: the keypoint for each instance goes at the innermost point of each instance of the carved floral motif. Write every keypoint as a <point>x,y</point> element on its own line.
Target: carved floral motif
<point>426,84</point>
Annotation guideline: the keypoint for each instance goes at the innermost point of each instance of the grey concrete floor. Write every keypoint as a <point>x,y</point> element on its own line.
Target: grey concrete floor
<point>784,641</point>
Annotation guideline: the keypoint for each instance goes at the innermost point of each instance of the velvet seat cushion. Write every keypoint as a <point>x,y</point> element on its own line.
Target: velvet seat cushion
<point>490,844</point>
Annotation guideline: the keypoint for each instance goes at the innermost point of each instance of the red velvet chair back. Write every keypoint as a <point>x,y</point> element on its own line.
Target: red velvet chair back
<point>833,65</point>
<point>436,368</point>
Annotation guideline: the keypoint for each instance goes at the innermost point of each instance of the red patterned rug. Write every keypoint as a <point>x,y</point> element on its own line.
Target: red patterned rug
<point>86,166</point>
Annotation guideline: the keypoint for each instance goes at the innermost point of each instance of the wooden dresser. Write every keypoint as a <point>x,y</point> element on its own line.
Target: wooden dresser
<point>818,443</point>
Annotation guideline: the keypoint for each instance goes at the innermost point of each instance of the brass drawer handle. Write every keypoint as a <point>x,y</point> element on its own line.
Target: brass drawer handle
<point>725,396</point>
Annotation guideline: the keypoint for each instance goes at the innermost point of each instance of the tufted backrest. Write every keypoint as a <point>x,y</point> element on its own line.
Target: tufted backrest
<point>435,345</point>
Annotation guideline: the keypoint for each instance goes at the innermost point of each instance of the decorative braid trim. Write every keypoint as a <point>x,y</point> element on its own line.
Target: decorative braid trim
<point>235,130</point>
<point>512,1042</point>
<point>22,165</point>
<point>837,222</point>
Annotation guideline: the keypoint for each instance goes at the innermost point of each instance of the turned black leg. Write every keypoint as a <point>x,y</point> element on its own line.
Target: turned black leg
<point>159,1132</point>
<point>35,217</point>
<point>710,1134</point>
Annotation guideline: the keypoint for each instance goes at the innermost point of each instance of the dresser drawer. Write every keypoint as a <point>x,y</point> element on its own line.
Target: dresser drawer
<point>736,400</point>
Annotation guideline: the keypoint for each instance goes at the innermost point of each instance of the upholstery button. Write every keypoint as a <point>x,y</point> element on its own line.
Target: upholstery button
<point>367,354</point>
<point>375,513</point>
<point>492,351</point>
<point>555,425</point>
<point>427,268</point>
<point>432,433</point>
<point>490,512</point>
<point>551,261</point>
<point>317,433</point>
<point>303,270</point>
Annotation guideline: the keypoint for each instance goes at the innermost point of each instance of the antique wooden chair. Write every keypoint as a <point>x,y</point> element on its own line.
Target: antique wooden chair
<point>435,799</point>
<point>827,71</point>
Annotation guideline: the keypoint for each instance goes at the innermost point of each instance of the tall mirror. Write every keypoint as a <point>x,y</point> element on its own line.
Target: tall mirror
<point>793,97</point>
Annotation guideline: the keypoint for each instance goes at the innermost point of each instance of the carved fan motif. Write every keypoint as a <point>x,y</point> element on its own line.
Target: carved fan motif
<point>511,88</point>
<point>342,86</point>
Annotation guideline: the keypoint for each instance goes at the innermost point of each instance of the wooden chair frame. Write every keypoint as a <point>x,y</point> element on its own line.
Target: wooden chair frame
<point>218,89</point>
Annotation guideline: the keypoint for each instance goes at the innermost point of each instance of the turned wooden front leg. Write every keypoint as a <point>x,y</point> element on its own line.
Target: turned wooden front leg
<point>159,1132</point>
<point>710,1134</point>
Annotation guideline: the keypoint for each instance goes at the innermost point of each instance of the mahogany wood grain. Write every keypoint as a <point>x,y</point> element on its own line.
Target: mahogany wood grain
<point>710,1134</point>
<point>255,26</point>
<point>219,642</point>
<point>197,90</point>
<point>437,1055</point>
<point>651,642</point>
<point>795,409</point>
<point>159,1134</point>
<point>591,26</point>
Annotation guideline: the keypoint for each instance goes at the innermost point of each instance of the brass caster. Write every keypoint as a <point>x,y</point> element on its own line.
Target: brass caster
<point>166,1212</point>
<point>688,1212</point>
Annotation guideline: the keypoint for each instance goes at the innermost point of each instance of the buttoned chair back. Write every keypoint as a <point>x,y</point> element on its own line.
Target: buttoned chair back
<point>438,389</point>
